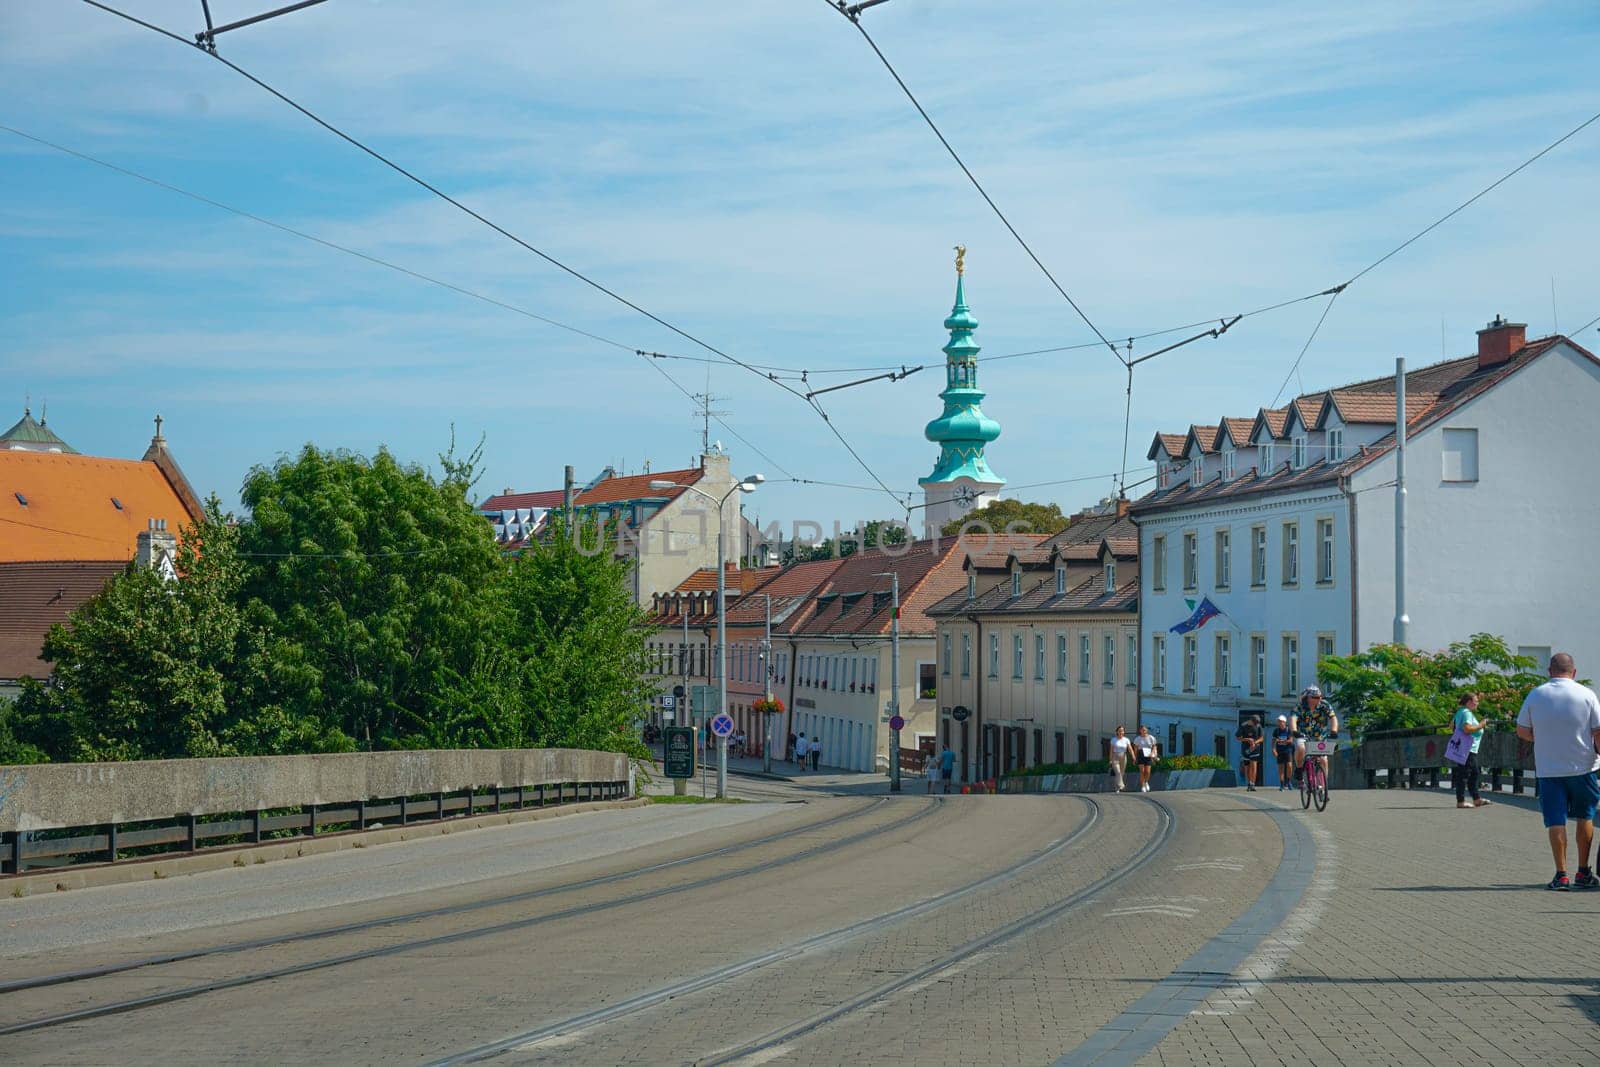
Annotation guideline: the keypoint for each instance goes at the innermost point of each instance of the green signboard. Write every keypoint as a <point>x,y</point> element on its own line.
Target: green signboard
<point>678,755</point>
<point>703,700</point>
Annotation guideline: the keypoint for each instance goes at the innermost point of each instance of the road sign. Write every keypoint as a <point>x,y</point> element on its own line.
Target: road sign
<point>897,723</point>
<point>961,713</point>
<point>678,754</point>
<point>668,703</point>
<point>703,699</point>
<point>722,726</point>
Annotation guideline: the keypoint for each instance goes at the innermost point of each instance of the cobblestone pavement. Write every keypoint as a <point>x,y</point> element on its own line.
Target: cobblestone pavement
<point>1392,928</point>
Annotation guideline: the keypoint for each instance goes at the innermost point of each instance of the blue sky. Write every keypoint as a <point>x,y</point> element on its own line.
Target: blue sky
<point>750,172</point>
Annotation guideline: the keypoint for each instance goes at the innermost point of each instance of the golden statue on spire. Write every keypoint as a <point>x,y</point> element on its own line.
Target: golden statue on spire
<point>961,259</point>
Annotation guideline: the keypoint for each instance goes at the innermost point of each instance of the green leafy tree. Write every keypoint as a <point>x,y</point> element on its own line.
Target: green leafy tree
<point>151,668</point>
<point>870,535</point>
<point>998,514</point>
<point>1390,687</point>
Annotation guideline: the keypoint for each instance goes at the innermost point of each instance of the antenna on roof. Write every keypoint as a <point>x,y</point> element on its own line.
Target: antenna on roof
<point>705,413</point>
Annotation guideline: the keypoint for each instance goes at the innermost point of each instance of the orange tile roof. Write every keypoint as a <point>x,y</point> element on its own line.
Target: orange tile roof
<point>1238,431</point>
<point>549,498</point>
<point>1276,419</point>
<point>70,514</point>
<point>1204,436</point>
<point>741,579</point>
<point>1170,443</point>
<point>1379,407</point>
<point>637,487</point>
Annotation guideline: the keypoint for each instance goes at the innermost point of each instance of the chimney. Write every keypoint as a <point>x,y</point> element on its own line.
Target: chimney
<point>1499,341</point>
<point>1123,504</point>
<point>157,546</point>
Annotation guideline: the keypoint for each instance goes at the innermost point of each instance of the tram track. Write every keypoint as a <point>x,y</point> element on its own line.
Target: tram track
<point>570,1027</point>
<point>68,978</point>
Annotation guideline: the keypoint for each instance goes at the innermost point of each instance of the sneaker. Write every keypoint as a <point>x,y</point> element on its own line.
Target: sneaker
<point>1145,788</point>
<point>1464,804</point>
<point>1559,883</point>
<point>1481,802</point>
<point>1586,880</point>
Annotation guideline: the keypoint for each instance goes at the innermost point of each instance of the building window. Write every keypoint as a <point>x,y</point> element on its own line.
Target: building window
<point>1158,661</point>
<point>1158,565</point>
<point>1038,657</point>
<point>1224,665</point>
<point>1258,556</point>
<point>1224,558</point>
<point>966,655</point>
<point>1061,657</point>
<point>1335,445</point>
<point>947,657</point>
<point>1297,458</point>
<point>1324,551</point>
<point>1291,553</point>
<point>1197,473</point>
<point>1460,455</point>
<point>1061,580</point>
<point>1111,577</point>
<point>1191,663</point>
<point>1016,656</point>
<point>1083,658</point>
<point>1291,664</point>
<point>1258,665</point>
<point>1229,457</point>
<point>994,655</point>
<point>1109,645</point>
<point>1191,562</point>
<point>1324,649</point>
<point>1266,457</point>
<point>1133,660</point>
<point>1016,583</point>
<point>926,687</point>
<point>972,585</point>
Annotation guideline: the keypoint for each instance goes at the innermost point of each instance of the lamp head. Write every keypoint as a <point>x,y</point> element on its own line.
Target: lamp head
<point>749,484</point>
<point>662,483</point>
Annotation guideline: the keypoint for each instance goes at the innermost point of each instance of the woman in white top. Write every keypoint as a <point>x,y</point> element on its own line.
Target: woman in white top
<point>930,768</point>
<point>1119,756</point>
<point>1146,752</point>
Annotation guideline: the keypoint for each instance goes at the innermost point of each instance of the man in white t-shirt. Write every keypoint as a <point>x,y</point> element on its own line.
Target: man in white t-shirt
<point>1562,719</point>
<point>802,750</point>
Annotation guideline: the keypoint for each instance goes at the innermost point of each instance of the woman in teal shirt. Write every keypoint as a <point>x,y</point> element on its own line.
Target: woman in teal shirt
<point>1466,776</point>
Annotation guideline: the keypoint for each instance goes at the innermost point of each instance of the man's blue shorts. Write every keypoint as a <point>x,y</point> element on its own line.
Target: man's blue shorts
<point>1573,797</point>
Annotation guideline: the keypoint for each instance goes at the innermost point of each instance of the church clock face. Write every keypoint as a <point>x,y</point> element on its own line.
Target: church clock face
<point>966,496</point>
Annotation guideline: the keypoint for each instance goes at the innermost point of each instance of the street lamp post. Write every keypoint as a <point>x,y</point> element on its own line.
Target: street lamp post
<point>746,485</point>
<point>766,676</point>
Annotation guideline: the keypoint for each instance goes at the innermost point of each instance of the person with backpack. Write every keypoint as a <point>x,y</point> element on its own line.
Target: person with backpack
<point>1249,738</point>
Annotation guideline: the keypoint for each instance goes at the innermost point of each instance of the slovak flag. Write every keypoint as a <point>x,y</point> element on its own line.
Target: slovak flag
<point>1202,615</point>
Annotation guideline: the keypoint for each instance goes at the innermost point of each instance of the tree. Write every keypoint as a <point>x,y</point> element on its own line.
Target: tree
<point>998,514</point>
<point>868,535</point>
<point>151,668</point>
<point>1390,687</point>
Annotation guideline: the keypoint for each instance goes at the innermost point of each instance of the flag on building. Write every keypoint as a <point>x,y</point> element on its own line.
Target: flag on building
<point>1202,615</point>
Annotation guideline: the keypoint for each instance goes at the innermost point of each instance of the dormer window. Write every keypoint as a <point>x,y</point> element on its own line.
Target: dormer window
<point>1061,580</point>
<point>972,585</point>
<point>1016,583</point>
<point>1266,457</point>
<point>1229,458</point>
<point>1197,473</point>
<point>1111,577</point>
<point>1335,446</point>
<point>1163,470</point>
<point>21,499</point>
<point>1298,456</point>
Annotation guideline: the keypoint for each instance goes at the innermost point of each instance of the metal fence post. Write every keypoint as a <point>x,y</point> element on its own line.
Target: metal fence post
<point>255,827</point>
<point>111,842</point>
<point>192,844</point>
<point>311,823</point>
<point>439,800</point>
<point>403,811</point>
<point>361,815</point>
<point>15,843</point>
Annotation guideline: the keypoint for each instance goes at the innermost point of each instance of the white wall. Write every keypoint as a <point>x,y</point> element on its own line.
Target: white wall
<point>1511,554</point>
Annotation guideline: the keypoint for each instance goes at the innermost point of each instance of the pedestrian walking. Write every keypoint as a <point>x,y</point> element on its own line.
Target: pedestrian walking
<point>802,750</point>
<point>1562,719</point>
<point>816,752</point>
<point>1121,745</point>
<point>1249,738</point>
<point>930,769</point>
<point>1145,753</point>
<point>1466,775</point>
<point>788,751</point>
<point>1283,751</point>
<point>947,767</point>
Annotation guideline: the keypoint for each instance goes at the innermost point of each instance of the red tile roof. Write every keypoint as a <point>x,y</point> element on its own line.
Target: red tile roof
<point>548,498</point>
<point>1170,444</point>
<point>1205,437</point>
<point>35,595</point>
<point>738,578</point>
<point>1237,431</point>
<point>1274,419</point>
<point>637,487</point>
<point>1370,407</point>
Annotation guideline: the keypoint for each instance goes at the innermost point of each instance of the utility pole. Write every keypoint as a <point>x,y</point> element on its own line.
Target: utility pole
<point>894,679</point>
<point>566,495</point>
<point>1402,621</point>
<point>766,674</point>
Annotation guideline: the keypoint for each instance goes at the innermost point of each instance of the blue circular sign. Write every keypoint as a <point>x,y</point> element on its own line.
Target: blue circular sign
<point>722,726</point>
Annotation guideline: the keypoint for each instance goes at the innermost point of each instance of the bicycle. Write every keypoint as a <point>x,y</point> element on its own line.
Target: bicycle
<point>1314,773</point>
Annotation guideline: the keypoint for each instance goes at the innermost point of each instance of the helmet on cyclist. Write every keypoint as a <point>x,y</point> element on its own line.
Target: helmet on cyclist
<point>1311,691</point>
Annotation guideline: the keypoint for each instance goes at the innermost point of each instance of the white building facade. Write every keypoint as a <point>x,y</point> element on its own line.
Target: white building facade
<point>1295,544</point>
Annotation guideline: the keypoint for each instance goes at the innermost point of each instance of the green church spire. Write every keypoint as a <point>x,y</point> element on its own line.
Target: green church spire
<point>963,430</point>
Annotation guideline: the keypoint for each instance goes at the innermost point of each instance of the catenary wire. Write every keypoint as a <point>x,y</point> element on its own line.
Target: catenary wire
<point>435,190</point>
<point>855,21</point>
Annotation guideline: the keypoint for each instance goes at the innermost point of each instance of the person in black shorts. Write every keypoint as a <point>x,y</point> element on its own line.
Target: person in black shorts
<point>1249,738</point>
<point>1283,749</point>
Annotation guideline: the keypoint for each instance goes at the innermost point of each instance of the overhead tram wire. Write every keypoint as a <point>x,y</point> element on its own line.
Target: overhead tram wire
<point>852,14</point>
<point>447,198</point>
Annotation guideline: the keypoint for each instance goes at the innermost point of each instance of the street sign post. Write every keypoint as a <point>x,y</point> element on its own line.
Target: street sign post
<point>677,757</point>
<point>897,724</point>
<point>722,725</point>
<point>961,713</point>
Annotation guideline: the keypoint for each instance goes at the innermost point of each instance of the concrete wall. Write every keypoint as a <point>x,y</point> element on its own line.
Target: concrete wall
<point>45,796</point>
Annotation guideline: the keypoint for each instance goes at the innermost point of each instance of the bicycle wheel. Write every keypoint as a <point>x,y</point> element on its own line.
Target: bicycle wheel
<point>1320,794</point>
<point>1305,784</point>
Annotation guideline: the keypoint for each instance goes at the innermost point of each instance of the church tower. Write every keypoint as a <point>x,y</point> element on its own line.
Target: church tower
<point>961,480</point>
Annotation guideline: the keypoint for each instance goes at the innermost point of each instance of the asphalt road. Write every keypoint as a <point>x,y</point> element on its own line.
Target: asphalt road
<point>807,927</point>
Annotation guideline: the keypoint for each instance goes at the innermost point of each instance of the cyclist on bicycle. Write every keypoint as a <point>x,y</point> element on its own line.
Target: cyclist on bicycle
<point>1314,720</point>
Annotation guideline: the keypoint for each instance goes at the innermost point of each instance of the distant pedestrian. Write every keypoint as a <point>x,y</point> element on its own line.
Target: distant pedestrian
<point>788,752</point>
<point>1283,751</point>
<point>1145,752</point>
<point>816,752</point>
<point>947,767</point>
<point>1249,738</point>
<point>1121,745</point>
<point>930,769</point>
<point>1466,775</point>
<point>802,750</point>
<point>1562,719</point>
